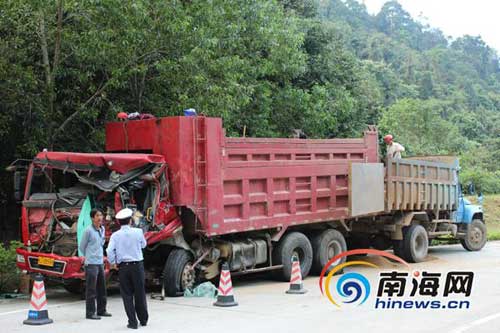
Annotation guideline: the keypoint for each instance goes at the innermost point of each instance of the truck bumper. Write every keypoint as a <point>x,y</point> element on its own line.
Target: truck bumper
<point>62,267</point>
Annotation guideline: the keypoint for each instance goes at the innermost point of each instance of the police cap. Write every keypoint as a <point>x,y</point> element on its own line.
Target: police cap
<point>123,214</point>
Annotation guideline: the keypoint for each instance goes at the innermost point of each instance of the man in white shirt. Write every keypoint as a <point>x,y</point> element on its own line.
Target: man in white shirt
<point>394,149</point>
<point>125,252</point>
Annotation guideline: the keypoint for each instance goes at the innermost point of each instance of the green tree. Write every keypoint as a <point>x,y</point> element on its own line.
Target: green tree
<point>418,125</point>
<point>328,67</point>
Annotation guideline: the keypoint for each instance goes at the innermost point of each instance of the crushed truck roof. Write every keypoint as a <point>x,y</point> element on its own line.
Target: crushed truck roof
<point>119,162</point>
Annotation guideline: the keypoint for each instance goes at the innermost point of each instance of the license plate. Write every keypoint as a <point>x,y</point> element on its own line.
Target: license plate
<point>43,261</point>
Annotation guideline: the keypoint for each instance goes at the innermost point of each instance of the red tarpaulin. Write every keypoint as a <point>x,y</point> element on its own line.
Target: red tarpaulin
<point>121,163</point>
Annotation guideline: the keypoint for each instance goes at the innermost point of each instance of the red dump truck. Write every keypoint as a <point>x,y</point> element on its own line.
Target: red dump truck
<point>203,198</point>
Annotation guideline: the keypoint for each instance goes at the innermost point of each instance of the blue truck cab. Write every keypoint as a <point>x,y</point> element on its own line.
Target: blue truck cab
<point>469,218</point>
<point>467,212</point>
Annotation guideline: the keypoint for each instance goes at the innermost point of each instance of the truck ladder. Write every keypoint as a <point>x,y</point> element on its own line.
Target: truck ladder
<point>200,171</point>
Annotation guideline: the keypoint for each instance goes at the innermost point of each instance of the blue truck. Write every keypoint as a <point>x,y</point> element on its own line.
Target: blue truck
<point>470,218</point>
<point>408,203</point>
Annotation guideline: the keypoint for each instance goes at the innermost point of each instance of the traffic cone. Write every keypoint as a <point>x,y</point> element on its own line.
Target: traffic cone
<point>225,295</point>
<point>296,286</point>
<point>38,313</point>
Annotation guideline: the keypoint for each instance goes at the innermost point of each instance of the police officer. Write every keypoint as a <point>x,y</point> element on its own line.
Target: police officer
<point>125,254</point>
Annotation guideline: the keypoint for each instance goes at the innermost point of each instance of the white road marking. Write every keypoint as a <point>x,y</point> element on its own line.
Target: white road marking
<point>477,322</point>
<point>49,307</point>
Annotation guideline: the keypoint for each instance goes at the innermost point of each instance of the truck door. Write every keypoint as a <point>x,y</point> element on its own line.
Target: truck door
<point>459,213</point>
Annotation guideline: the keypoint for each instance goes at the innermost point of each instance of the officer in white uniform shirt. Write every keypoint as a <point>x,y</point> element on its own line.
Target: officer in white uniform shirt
<point>125,253</point>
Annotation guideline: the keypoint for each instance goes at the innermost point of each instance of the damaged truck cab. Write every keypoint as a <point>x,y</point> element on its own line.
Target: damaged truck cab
<point>57,186</point>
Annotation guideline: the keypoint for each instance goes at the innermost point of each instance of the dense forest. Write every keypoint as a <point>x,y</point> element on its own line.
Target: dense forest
<point>327,67</point>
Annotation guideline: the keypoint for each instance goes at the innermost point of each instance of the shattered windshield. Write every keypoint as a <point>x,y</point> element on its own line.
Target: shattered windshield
<point>58,201</point>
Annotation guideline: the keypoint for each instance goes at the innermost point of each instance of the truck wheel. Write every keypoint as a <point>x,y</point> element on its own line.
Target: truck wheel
<point>327,245</point>
<point>177,273</point>
<point>415,244</point>
<point>294,243</point>
<point>475,236</point>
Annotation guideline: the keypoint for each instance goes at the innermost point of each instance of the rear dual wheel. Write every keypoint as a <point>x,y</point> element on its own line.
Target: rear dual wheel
<point>327,245</point>
<point>313,254</point>
<point>292,244</point>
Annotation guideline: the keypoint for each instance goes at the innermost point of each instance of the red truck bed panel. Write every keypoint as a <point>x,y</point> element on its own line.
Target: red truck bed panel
<point>241,184</point>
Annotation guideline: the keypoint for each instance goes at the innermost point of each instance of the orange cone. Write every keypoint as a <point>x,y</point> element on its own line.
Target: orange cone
<point>225,295</point>
<point>296,286</point>
<point>38,313</point>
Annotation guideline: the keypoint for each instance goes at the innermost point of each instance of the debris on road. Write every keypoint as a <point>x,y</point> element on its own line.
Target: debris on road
<point>206,289</point>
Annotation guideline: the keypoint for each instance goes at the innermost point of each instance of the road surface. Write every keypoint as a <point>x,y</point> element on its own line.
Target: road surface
<point>265,307</point>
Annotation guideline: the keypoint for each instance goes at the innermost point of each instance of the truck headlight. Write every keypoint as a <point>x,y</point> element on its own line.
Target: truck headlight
<point>20,258</point>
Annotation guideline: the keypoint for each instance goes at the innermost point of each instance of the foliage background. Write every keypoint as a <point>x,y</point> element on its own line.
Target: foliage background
<point>325,66</point>
<point>9,273</point>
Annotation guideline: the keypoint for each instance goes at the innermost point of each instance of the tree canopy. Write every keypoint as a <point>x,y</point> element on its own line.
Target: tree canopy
<point>327,67</point>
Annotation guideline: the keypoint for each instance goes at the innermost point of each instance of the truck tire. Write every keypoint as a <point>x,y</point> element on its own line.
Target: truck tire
<point>326,245</point>
<point>475,236</point>
<point>415,244</point>
<point>177,275</point>
<point>291,244</point>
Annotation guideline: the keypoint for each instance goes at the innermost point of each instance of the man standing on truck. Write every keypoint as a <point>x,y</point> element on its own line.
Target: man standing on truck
<point>91,246</point>
<point>394,149</point>
<point>125,251</point>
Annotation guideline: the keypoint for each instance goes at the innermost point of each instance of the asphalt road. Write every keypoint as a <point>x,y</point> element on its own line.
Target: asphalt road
<point>265,307</point>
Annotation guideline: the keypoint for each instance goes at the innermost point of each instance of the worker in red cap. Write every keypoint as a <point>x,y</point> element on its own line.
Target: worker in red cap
<point>122,116</point>
<point>394,149</point>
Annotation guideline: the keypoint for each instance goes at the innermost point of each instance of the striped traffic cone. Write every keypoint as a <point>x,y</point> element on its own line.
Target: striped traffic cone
<point>38,313</point>
<point>225,295</point>
<point>296,286</point>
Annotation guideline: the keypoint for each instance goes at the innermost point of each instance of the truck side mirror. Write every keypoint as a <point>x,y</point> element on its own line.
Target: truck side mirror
<point>471,188</point>
<point>19,180</point>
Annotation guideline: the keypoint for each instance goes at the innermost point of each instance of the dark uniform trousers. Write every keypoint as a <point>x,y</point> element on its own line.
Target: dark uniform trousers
<point>95,289</point>
<point>133,291</point>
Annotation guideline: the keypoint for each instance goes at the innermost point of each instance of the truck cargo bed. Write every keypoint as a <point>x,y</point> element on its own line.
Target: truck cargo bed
<point>241,184</point>
<point>419,184</point>
<point>403,185</point>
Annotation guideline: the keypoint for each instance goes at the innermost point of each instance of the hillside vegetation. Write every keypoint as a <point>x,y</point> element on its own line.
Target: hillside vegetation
<point>327,67</point>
